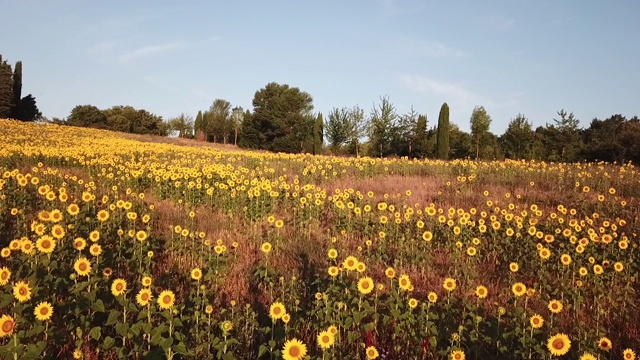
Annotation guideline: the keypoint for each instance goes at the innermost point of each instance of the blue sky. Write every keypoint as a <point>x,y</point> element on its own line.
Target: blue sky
<point>511,56</point>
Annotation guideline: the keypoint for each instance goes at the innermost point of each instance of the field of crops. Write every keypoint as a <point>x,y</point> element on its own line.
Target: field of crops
<point>113,248</point>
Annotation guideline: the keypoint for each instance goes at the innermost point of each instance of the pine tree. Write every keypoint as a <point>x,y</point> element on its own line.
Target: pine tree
<point>442,139</point>
<point>6,92</point>
<point>17,91</point>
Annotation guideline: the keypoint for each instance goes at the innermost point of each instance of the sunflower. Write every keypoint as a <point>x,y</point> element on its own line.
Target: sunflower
<point>559,344</point>
<point>471,251</point>
<point>82,266</point>
<point>226,326</point>
<point>628,354</point>
<point>618,266</point>
<point>5,275</point>
<point>481,292</point>
<point>555,306</point>
<point>118,287</point>
<point>208,309</point>
<point>350,263</point>
<point>266,247</point>
<point>536,321</point>
<point>21,291</point>
<point>46,244</point>
<point>107,272</point>
<point>404,282</point>
<point>77,354</point>
<point>413,303</point>
<point>449,284</point>
<point>457,355</point>
<point>513,267</point>
<point>196,274</point>
<point>333,271</point>
<point>286,318</point>
<point>6,325</point>
<point>44,215</point>
<point>294,349</point>
<point>43,311</point>
<point>598,269</point>
<point>604,344</point>
<point>276,310</point>
<point>26,246</point>
<point>57,231</point>
<point>95,250</point>
<point>390,273</point>
<point>14,245</point>
<point>5,252</point>
<point>144,297</point>
<point>432,297</point>
<point>365,285</point>
<point>326,339</point>
<point>73,209</point>
<point>94,235</point>
<point>371,352</point>
<point>544,253</point>
<point>103,215</point>
<point>333,253</point>
<point>166,299</point>
<point>79,244</point>
<point>519,289</point>
<point>565,259</point>
<point>587,356</point>
<point>361,267</point>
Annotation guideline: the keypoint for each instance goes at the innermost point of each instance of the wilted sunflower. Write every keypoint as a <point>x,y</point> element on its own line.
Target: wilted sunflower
<point>604,343</point>
<point>294,349</point>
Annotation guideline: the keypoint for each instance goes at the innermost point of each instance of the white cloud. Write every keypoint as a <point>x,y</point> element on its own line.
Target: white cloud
<point>456,92</point>
<point>148,50</point>
<point>430,48</point>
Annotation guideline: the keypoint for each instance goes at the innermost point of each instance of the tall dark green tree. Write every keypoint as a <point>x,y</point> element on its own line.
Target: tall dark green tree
<point>249,133</point>
<point>282,120</point>
<point>28,110</point>
<point>17,92</point>
<point>198,124</point>
<point>421,135</point>
<point>6,91</point>
<point>442,137</point>
<point>480,122</point>
<point>519,140</point>
<point>87,116</point>
<point>218,120</point>
<point>318,135</point>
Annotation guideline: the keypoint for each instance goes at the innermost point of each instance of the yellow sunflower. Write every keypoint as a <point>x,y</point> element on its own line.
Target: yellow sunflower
<point>481,292</point>
<point>57,231</point>
<point>519,289</point>
<point>79,244</point>
<point>390,273</point>
<point>266,247</point>
<point>404,282</point>
<point>21,291</point>
<point>196,274</point>
<point>276,310</point>
<point>103,215</point>
<point>371,352</point>
<point>536,321</point>
<point>628,354</point>
<point>5,275</point>
<point>294,349</point>
<point>166,299</point>
<point>432,297</point>
<point>333,271</point>
<point>413,303</point>
<point>457,355</point>
<point>143,297</point>
<point>555,306</point>
<point>604,344</point>
<point>332,253</point>
<point>7,324</point>
<point>449,284</point>
<point>350,263</point>
<point>118,287</point>
<point>559,344</point>
<point>95,250</point>
<point>27,246</point>
<point>46,244</point>
<point>326,339</point>
<point>82,266</point>
<point>365,285</point>
<point>43,311</point>
<point>587,356</point>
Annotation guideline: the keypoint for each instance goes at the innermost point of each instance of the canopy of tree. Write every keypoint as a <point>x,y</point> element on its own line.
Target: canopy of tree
<point>117,118</point>
<point>12,104</point>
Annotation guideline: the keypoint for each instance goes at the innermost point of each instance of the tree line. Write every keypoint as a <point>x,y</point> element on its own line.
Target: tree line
<point>12,104</point>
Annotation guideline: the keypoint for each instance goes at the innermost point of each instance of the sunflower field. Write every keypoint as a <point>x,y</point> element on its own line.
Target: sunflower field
<point>114,247</point>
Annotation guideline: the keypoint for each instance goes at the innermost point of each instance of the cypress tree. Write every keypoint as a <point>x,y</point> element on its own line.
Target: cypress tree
<point>6,92</point>
<point>197,124</point>
<point>442,137</point>
<point>318,134</point>
<point>17,91</point>
<point>421,137</point>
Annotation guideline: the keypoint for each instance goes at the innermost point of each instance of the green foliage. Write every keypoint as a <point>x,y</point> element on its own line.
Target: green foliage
<point>339,128</point>
<point>562,141</point>
<point>17,96</point>
<point>183,124</point>
<point>519,140</point>
<point>442,137</point>
<point>461,143</point>
<point>199,123</point>
<point>381,128</point>
<point>27,110</point>
<point>281,120</point>
<point>614,139</point>
<point>218,121</point>
<point>318,135</point>
<point>237,115</point>
<point>421,137</point>
<point>6,92</point>
<point>480,122</point>
<point>117,118</point>
<point>87,116</point>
